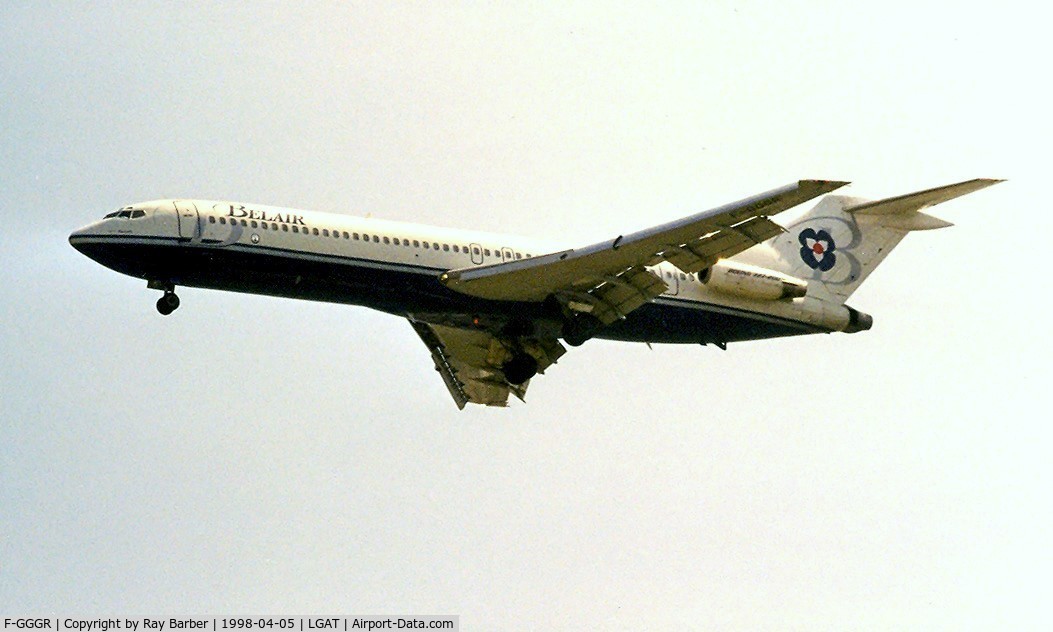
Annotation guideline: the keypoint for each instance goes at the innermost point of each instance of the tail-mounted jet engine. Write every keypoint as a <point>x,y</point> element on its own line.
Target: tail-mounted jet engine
<point>749,281</point>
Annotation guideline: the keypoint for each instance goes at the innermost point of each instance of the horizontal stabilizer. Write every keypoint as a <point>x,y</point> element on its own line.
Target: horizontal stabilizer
<point>903,212</point>
<point>921,199</point>
<point>913,221</point>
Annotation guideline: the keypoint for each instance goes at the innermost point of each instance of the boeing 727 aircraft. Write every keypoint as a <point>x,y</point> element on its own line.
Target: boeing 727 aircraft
<point>492,309</point>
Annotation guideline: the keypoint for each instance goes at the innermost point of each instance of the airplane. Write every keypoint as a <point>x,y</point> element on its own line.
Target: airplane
<point>493,309</point>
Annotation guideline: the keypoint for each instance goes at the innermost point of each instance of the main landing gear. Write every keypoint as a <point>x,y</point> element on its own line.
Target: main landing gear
<point>579,328</point>
<point>520,368</point>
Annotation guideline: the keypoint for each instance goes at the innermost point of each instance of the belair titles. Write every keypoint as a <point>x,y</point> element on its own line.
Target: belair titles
<point>248,213</point>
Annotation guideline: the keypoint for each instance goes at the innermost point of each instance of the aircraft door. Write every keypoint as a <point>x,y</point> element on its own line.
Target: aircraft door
<point>477,253</point>
<point>187,216</point>
<point>507,254</point>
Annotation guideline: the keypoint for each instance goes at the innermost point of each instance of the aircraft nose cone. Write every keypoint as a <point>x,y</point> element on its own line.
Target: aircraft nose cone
<point>81,238</point>
<point>76,238</point>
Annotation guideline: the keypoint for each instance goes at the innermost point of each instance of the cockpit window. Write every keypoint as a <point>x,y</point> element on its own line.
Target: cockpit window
<point>126,213</point>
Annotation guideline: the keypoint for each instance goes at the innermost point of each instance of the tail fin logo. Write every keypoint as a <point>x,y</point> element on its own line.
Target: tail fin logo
<point>817,249</point>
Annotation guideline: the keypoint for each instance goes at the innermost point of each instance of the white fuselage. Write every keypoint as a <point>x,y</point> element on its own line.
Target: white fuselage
<point>270,250</point>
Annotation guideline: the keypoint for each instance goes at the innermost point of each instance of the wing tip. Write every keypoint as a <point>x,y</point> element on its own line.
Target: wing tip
<point>824,186</point>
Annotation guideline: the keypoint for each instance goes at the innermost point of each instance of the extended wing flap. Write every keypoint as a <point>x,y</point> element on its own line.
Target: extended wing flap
<point>443,364</point>
<point>703,252</point>
<point>693,241</point>
<point>470,362</point>
<point>462,363</point>
<point>617,295</point>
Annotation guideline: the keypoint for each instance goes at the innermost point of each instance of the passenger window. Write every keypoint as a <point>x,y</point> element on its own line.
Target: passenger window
<point>376,239</point>
<point>223,220</point>
<point>285,228</point>
<point>475,250</point>
<point>446,247</point>
<point>519,256</point>
<point>254,225</point>
<point>244,223</point>
<point>325,232</point>
<point>434,245</point>
<point>416,243</point>
<point>314,231</point>
<point>456,248</point>
<point>425,245</point>
<point>486,252</point>
<point>346,236</point>
<point>387,241</point>
<point>263,225</point>
<point>295,229</point>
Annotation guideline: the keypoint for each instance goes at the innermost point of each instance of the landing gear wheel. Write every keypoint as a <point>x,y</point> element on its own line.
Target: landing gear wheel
<point>578,329</point>
<point>167,303</point>
<point>520,368</point>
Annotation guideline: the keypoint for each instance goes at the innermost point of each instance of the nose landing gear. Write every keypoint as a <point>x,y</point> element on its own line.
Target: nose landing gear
<point>167,303</point>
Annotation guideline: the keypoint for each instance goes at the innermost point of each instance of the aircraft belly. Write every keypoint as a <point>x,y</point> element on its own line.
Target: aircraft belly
<point>390,287</point>
<point>687,322</point>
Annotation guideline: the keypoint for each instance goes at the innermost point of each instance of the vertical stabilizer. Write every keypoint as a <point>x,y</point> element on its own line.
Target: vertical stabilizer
<point>837,244</point>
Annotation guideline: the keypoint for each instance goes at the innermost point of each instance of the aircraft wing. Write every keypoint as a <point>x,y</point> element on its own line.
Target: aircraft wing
<point>609,279</point>
<point>470,361</point>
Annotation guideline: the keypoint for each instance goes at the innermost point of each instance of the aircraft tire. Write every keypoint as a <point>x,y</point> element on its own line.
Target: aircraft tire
<point>579,329</point>
<point>520,368</point>
<point>167,303</point>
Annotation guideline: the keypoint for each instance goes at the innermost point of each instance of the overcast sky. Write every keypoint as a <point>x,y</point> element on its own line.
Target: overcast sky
<point>255,455</point>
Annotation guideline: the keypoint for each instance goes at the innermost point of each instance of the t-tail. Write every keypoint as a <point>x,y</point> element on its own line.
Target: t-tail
<point>838,243</point>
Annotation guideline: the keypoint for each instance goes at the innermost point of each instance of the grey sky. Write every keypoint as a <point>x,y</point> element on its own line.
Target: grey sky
<point>251,455</point>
